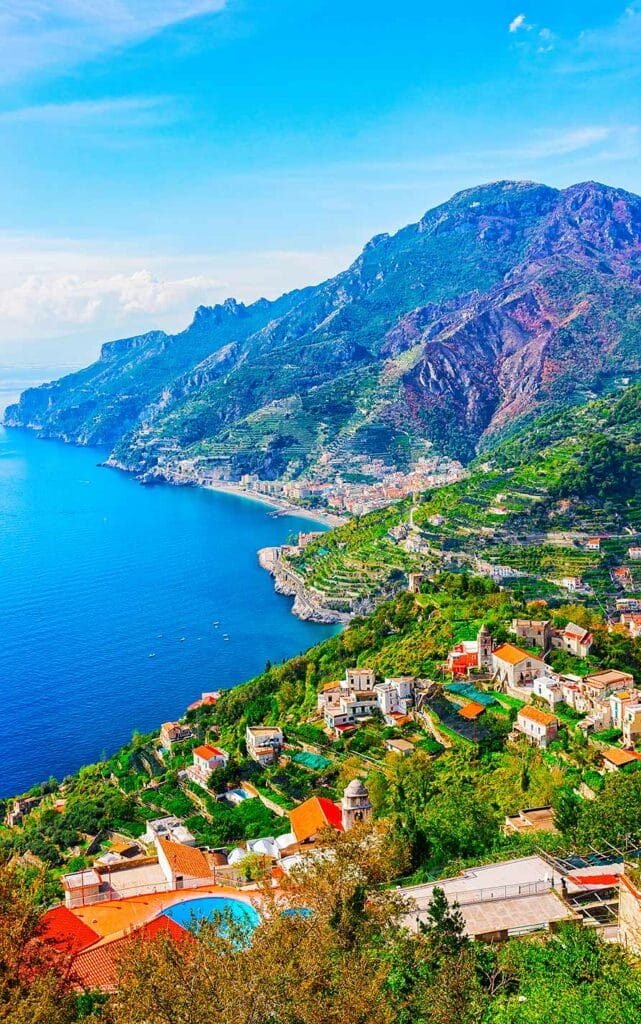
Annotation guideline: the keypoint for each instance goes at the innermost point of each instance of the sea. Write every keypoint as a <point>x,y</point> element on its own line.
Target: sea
<point>121,603</point>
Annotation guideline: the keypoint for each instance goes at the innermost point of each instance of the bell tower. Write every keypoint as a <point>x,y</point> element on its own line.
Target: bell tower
<point>355,805</point>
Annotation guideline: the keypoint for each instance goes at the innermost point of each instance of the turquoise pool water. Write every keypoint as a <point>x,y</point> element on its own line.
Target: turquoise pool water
<point>193,912</point>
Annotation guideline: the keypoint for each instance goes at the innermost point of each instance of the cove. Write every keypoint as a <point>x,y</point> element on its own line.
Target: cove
<point>109,595</point>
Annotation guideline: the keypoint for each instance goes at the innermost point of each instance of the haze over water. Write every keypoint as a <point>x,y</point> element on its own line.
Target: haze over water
<point>97,573</point>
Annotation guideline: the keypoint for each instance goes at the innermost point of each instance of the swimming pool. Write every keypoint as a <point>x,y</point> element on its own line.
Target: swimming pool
<point>191,913</point>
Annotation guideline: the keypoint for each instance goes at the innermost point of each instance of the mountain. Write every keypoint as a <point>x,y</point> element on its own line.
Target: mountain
<point>508,299</point>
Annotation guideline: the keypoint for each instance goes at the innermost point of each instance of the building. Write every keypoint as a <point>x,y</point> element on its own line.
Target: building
<point>574,640</point>
<point>182,866</point>
<point>358,679</point>
<point>395,696</point>
<point>264,743</point>
<point>572,583</point>
<point>20,808</point>
<point>463,657</point>
<point>634,553</point>
<point>484,644</point>
<point>537,632</point>
<point>602,684</point>
<point>614,758</point>
<point>206,761</point>
<point>355,805</point>
<point>631,724</point>
<point>549,689</point>
<point>416,580</point>
<point>539,727</point>
<point>313,817</point>
<point>402,747</point>
<point>168,828</point>
<point>513,666</point>
<point>173,732</point>
<point>632,623</point>
<point>533,819</point>
<point>81,887</point>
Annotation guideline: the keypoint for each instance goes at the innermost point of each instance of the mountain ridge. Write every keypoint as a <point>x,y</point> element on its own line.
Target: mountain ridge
<point>508,298</point>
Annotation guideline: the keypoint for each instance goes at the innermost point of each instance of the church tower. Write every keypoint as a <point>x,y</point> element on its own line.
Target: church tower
<point>484,641</point>
<point>355,804</point>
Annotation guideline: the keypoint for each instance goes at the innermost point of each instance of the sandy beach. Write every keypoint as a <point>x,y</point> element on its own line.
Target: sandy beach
<point>285,508</point>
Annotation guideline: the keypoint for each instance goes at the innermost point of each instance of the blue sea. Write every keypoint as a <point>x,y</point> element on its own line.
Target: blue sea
<point>109,592</point>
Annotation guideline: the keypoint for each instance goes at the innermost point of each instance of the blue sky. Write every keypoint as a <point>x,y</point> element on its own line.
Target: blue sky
<point>158,155</point>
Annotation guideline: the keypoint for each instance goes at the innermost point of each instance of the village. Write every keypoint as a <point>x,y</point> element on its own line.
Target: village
<point>135,878</point>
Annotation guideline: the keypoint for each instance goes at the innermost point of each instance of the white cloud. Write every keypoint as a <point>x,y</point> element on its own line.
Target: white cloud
<point>123,112</point>
<point>518,23</point>
<point>40,34</point>
<point>65,296</point>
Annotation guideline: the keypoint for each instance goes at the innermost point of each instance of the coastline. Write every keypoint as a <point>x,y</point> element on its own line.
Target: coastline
<point>286,508</point>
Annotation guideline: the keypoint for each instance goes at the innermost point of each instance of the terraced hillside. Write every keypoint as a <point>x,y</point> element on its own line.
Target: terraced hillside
<point>557,502</point>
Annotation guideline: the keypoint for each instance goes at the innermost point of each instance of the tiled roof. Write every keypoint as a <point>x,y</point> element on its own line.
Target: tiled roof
<point>98,967</point>
<point>185,860</point>
<point>620,757</point>
<point>471,710</point>
<point>513,655</point>
<point>208,752</point>
<point>536,715</point>
<point>311,817</point>
<point>66,933</point>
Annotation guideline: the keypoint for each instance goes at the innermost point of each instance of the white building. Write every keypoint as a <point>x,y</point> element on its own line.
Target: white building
<point>548,688</point>
<point>206,760</point>
<point>264,743</point>
<point>515,667</point>
<point>359,679</point>
<point>168,828</point>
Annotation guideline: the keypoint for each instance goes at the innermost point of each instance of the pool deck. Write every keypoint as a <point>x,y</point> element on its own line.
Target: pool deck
<point>115,918</point>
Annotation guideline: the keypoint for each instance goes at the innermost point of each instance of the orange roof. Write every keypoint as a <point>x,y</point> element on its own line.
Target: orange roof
<point>207,752</point>
<point>471,710</point>
<point>536,715</point>
<point>185,860</point>
<point>66,933</point>
<point>98,967</point>
<point>620,757</point>
<point>311,817</point>
<point>513,655</point>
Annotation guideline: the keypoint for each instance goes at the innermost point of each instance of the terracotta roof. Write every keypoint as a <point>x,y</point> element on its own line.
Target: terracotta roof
<point>513,655</point>
<point>471,710</point>
<point>311,817</point>
<point>98,967</point>
<point>620,757</point>
<point>66,933</point>
<point>185,860</point>
<point>606,677</point>
<point>208,752</point>
<point>536,715</point>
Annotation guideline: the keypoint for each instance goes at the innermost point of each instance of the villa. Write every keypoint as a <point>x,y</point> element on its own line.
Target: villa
<point>206,760</point>
<point>539,727</point>
<point>264,743</point>
<point>173,732</point>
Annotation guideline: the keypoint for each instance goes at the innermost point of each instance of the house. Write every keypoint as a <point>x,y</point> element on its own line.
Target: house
<point>328,695</point>
<point>631,724</point>
<point>539,727</point>
<point>594,543</point>
<point>534,819</point>
<point>614,758</point>
<point>402,747</point>
<point>632,623</point>
<point>602,684</point>
<point>173,732</point>
<point>358,679</point>
<point>416,580</point>
<point>395,695</point>
<point>516,667</point>
<point>574,639</point>
<point>264,743</point>
<point>81,887</point>
<point>168,828</point>
<point>549,689</point>
<point>20,808</point>
<point>182,866</point>
<point>572,583</point>
<point>313,817</point>
<point>634,553</point>
<point>537,632</point>
<point>463,657</point>
<point>206,760</point>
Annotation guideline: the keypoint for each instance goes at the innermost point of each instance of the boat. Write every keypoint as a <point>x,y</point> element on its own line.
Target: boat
<point>182,639</point>
<point>151,655</point>
<point>225,636</point>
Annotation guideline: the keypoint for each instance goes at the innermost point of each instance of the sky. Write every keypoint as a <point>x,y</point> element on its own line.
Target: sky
<point>162,154</point>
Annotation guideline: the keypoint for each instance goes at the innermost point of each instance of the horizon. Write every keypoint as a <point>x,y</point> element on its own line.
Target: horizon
<point>162,160</point>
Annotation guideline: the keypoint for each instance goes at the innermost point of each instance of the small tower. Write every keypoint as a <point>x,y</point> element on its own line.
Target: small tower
<point>355,804</point>
<point>484,641</point>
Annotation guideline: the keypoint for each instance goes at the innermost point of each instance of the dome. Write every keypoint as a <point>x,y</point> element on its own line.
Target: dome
<point>236,855</point>
<point>356,788</point>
